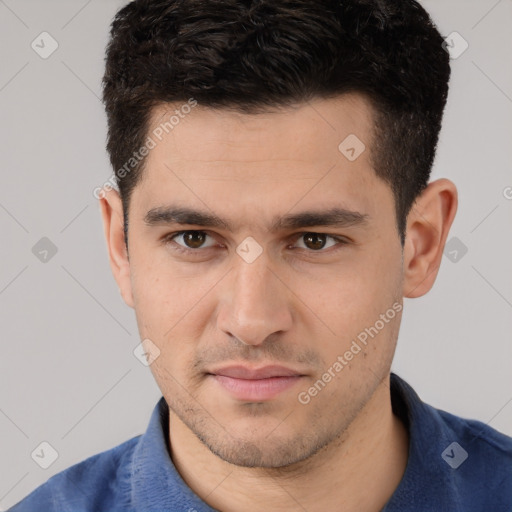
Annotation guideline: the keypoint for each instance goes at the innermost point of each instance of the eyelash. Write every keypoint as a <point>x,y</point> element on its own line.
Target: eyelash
<point>168,239</point>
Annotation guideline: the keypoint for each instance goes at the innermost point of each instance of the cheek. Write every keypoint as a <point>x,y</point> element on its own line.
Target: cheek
<point>169,314</point>
<point>171,307</point>
<point>157,286</point>
<point>348,300</point>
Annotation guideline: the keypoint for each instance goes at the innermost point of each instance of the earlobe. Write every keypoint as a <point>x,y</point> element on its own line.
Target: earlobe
<point>113,227</point>
<point>428,225</point>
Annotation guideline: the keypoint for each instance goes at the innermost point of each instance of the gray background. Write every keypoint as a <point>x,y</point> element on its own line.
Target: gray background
<point>69,376</point>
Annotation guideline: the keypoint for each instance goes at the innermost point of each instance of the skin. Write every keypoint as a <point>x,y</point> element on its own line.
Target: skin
<point>296,305</point>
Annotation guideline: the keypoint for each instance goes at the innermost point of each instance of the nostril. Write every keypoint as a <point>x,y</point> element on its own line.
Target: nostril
<point>238,339</point>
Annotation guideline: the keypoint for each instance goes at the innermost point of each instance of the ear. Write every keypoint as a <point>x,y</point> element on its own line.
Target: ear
<point>428,224</point>
<point>113,226</point>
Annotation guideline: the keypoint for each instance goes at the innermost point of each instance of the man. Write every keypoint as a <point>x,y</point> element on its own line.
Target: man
<point>274,208</point>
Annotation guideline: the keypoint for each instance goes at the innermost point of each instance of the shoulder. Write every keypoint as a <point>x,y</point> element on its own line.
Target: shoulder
<point>486,445</point>
<point>100,482</point>
<point>455,463</point>
<point>476,462</point>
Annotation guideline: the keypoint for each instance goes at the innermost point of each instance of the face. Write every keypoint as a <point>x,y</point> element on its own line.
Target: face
<point>259,256</point>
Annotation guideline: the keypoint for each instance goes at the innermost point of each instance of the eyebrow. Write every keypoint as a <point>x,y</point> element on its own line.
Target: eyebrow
<point>334,217</point>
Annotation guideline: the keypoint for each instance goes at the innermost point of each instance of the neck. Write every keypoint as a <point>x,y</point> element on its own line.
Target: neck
<point>358,471</point>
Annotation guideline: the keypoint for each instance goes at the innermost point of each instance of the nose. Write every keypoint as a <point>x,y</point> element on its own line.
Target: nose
<point>254,302</point>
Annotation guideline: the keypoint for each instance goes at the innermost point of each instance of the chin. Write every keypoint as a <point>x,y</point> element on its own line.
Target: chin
<point>264,451</point>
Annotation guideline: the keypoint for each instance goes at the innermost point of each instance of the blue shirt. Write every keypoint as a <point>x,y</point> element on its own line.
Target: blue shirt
<point>455,465</point>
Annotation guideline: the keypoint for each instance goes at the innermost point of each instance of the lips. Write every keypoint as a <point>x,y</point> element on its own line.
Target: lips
<point>243,372</point>
<point>251,384</point>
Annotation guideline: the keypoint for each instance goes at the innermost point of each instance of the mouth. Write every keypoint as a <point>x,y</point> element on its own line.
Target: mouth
<point>255,384</point>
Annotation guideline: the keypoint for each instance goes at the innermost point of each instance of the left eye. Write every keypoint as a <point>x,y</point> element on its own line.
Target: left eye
<point>192,239</point>
<point>317,241</point>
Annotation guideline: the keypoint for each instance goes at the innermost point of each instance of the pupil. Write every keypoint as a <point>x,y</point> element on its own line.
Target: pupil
<point>191,242</point>
<point>316,240</point>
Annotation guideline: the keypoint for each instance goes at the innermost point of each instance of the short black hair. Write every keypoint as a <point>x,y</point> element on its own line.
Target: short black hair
<point>252,56</point>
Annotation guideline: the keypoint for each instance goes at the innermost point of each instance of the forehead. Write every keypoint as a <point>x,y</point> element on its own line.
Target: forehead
<point>264,163</point>
<point>293,133</point>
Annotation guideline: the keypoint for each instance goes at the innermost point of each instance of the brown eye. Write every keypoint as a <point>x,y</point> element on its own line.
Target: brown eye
<point>194,239</point>
<point>314,241</point>
<point>191,239</point>
<point>317,241</point>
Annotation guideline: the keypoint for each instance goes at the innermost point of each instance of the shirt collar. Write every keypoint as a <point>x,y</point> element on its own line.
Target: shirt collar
<point>156,484</point>
<point>427,482</point>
